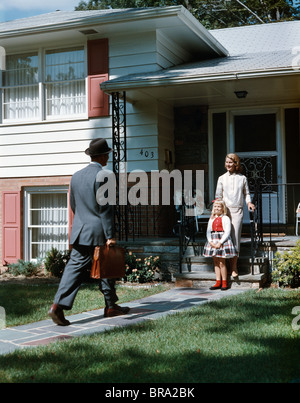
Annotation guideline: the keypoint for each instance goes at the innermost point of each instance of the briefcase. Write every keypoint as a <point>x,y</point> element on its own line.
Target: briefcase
<point>108,262</point>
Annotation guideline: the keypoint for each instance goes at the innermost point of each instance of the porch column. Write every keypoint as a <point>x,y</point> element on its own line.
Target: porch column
<point>119,161</point>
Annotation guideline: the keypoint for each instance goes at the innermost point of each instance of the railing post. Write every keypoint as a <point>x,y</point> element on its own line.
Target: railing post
<point>120,159</point>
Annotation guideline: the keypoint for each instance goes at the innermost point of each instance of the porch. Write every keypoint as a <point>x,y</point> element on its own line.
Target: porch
<point>267,231</point>
<point>194,270</point>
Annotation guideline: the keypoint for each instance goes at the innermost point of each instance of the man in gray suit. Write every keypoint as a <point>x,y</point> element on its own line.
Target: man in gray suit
<point>93,225</point>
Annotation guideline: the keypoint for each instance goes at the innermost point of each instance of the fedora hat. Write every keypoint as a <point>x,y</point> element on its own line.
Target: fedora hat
<point>97,147</point>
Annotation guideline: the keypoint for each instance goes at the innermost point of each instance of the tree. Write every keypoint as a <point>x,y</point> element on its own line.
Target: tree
<point>212,13</point>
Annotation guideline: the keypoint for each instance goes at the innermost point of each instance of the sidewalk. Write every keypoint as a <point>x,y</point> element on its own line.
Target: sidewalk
<point>149,308</point>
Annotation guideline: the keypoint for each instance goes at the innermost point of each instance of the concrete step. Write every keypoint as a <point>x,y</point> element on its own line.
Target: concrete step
<point>208,279</point>
<point>202,264</point>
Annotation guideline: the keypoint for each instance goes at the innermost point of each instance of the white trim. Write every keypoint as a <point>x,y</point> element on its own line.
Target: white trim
<point>280,151</point>
<point>28,191</point>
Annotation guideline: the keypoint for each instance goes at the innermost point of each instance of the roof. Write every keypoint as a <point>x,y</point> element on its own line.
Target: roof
<point>269,37</point>
<point>58,17</point>
<point>175,22</point>
<point>256,50</point>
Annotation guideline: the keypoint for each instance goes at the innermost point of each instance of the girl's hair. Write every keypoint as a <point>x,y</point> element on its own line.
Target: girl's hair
<point>223,205</point>
<point>236,159</point>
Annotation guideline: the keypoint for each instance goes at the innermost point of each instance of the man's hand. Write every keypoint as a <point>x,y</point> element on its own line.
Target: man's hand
<point>111,242</point>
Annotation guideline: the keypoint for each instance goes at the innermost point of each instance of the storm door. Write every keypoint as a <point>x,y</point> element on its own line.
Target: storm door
<point>255,137</point>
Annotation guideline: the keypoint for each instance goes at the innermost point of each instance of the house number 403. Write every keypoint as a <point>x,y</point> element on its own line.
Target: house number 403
<point>147,153</point>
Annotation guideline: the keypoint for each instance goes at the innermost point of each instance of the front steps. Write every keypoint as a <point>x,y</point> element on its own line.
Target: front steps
<point>198,271</point>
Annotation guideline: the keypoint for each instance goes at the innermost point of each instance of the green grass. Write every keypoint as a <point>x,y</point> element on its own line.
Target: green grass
<point>245,338</point>
<point>30,303</point>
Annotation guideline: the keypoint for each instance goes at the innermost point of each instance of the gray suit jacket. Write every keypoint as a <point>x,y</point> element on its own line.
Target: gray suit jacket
<point>92,224</point>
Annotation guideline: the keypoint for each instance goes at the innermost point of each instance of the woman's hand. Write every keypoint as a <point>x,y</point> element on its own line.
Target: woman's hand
<point>251,207</point>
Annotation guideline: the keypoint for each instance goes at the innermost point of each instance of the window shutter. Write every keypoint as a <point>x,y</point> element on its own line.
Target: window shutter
<point>98,101</point>
<point>11,226</point>
<point>97,57</point>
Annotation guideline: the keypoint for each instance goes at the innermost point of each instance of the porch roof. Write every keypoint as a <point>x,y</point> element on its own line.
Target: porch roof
<point>254,51</point>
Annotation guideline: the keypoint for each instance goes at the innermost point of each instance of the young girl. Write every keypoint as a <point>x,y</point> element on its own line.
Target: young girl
<point>219,245</point>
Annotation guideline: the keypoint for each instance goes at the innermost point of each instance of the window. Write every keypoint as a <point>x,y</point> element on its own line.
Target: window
<point>21,88</point>
<point>28,94</point>
<point>65,82</point>
<point>47,223</point>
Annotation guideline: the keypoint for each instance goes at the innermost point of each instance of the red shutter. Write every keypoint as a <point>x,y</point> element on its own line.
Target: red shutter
<point>97,57</point>
<point>11,226</point>
<point>98,101</point>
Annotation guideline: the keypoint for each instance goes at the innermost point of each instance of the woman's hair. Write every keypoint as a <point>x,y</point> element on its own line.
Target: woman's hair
<point>219,201</point>
<point>236,159</point>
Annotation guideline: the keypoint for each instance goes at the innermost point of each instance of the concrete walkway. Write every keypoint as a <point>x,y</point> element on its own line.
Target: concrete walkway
<point>149,308</point>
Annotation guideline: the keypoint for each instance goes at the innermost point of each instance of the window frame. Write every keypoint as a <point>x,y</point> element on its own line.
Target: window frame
<point>42,93</point>
<point>28,191</point>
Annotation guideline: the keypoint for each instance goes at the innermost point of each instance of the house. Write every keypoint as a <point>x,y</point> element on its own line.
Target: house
<point>165,92</point>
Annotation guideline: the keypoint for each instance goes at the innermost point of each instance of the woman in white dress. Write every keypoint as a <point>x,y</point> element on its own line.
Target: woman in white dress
<point>232,187</point>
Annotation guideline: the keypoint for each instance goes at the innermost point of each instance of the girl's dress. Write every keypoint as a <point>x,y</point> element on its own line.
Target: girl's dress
<point>218,229</point>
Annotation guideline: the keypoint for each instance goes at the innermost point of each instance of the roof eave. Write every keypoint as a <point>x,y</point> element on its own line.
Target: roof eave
<point>111,86</point>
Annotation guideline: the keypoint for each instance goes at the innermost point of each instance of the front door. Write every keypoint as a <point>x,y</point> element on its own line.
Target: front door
<point>255,137</point>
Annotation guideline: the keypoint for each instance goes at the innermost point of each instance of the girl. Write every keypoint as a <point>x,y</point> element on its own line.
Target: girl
<point>219,245</point>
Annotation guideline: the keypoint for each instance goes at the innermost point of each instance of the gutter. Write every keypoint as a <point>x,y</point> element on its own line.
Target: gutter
<point>113,86</point>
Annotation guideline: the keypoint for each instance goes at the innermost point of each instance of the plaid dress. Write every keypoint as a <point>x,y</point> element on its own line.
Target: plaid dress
<point>227,249</point>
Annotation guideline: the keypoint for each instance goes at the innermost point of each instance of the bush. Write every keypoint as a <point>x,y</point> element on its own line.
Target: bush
<point>55,261</point>
<point>23,268</point>
<point>287,268</point>
<point>140,270</point>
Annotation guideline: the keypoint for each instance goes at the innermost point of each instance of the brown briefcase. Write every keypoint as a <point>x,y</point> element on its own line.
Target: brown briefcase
<point>108,262</point>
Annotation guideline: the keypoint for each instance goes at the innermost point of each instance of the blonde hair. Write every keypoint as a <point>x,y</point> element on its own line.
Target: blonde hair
<point>219,201</point>
<point>236,159</point>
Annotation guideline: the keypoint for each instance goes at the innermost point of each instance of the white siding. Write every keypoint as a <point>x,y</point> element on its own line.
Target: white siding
<point>57,148</point>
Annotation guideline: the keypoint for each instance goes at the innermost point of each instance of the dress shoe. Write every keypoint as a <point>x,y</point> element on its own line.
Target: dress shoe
<point>57,315</point>
<point>116,310</point>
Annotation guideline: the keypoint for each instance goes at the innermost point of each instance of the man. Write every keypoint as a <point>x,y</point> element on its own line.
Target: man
<point>93,225</point>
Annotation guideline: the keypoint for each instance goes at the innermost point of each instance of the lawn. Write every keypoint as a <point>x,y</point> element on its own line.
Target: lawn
<point>245,338</point>
<point>27,303</point>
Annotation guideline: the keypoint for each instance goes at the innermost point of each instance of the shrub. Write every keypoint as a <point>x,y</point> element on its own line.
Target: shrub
<point>140,270</point>
<point>287,268</point>
<point>23,268</point>
<point>55,261</point>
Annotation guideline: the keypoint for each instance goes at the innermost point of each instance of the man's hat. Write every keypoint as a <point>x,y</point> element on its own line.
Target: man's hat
<point>98,147</point>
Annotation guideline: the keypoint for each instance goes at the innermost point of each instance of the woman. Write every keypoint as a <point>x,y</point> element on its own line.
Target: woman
<point>232,187</point>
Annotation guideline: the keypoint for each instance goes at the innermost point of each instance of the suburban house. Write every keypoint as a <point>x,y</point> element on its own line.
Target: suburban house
<point>164,91</point>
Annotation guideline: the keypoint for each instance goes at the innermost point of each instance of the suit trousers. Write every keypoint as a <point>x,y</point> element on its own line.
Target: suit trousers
<point>75,273</point>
